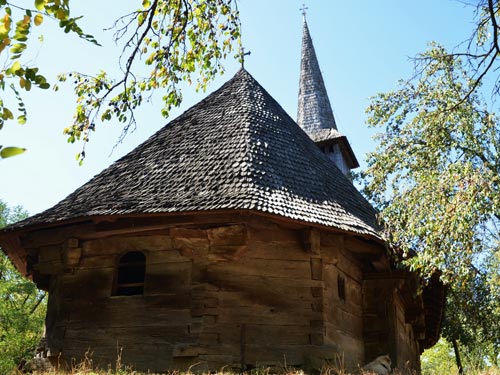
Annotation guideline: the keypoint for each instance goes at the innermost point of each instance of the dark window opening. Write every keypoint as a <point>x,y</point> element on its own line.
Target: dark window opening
<point>130,275</point>
<point>341,287</point>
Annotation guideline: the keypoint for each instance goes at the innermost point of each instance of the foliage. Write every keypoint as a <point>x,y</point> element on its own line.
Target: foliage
<point>471,318</point>
<point>435,170</point>
<point>164,43</point>
<point>435,178</point>
<point>176,39</point>
<point>7,152</point>
<point>22,306</point>
<point>439,360</point>
<point>16,75</point>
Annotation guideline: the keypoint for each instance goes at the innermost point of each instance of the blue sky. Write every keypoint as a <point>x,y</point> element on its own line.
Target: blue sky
<point>363,48</point>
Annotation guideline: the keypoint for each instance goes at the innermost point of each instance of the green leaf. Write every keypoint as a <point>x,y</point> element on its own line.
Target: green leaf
<point>38,19</point>
<point>40,5</point>
<point>18,48</point>
<point>8,152</point>
<point>7,114</point>
<point>15,67</point>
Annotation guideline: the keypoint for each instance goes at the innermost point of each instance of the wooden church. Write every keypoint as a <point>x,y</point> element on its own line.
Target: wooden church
<point>232,237</point>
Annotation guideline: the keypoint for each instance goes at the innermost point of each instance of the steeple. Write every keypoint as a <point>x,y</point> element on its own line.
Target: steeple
<point>314,112</point>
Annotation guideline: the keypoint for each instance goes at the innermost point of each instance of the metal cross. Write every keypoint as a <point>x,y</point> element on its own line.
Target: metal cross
<point>303,9</point>
<point>242,56</point>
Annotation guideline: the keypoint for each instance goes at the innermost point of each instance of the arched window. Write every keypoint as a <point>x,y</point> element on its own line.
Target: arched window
<point>130,274</point>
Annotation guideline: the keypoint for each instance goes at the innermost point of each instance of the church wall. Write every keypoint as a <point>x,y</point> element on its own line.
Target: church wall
<point>89,319</point>
<point>343,302</point>
<point>246,294</point>
<point>407,350</point>
<point>379,314</point>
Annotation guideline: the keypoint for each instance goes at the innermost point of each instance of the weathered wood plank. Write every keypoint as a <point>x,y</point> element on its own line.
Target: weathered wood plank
<point>116,245</point>
<point>350,323</point>
<point>121,311</point>
<point>264,267</point>
<point>276,251</point>
<point>257,314</point>
<point>56,235</point>
<point>153,258</point>
<point>316,268</point>
<point>89,284</point>
<point>129,335</point>
<point>352,347</point>
<point>311,241</point>
<point>229,235</point>
<point>165,278</point>
<point>363,246</point>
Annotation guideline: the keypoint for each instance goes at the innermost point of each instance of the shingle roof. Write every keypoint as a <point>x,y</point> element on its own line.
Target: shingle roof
<point>314,111</point>
<point>236,149</point>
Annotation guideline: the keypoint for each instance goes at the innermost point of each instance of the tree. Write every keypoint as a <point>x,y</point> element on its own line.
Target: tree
<point>480,52</point>
<point>435,178</point>
<point>439,360</point>
<point>22,306</point>
<point>435,172</point>
<point>16,24</point>
<point>180,41</point>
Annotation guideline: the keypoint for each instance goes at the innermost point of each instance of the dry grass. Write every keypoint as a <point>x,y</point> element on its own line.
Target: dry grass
<point>263,371</point>
<point>337,368</point>
<point>255,372</point>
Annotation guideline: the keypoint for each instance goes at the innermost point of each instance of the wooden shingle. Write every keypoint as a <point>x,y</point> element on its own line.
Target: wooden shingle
<point>235,150</point>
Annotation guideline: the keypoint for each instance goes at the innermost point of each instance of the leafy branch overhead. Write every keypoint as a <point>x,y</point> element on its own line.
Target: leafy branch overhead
<point>435,176</point>
<point>164,43</point>
<point>16,24</point>
<point>435,172</point>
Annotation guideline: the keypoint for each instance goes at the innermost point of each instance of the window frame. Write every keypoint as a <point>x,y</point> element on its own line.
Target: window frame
<point>121,266</point>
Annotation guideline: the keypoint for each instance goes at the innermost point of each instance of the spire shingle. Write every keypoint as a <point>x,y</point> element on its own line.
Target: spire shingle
<point>314,109</point>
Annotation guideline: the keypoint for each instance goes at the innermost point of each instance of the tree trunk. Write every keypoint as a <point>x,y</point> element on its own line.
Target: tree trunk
<point>457,356</point>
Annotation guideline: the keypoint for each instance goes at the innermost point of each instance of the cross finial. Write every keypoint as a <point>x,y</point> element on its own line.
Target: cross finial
<point>242,56</point>
<point>303,10</point>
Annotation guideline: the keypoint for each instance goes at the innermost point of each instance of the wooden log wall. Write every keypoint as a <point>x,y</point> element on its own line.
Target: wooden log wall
<point>407,349</point>
<point>246,292</point>
<point>387,317</point>
<point>343,301</point>
<point>378,318</point>
<point>245,295</point>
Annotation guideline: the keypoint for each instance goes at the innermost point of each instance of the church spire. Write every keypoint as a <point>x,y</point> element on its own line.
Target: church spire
<point>314,112</point>
<point>314,109</point>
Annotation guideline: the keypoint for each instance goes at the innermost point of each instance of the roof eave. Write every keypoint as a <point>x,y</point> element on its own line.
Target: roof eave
<point>11,244</point>
<point>347,150</point>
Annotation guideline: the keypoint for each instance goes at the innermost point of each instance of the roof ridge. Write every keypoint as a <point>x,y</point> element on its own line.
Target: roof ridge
<point>237,149</point>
